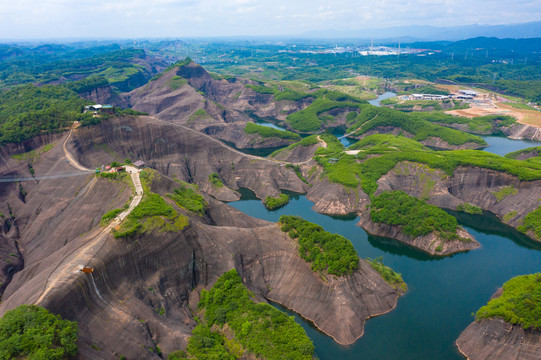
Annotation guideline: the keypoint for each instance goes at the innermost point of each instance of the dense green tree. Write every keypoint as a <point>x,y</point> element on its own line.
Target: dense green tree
<point>519,303</point>
<point>331,253</point>
<point>32,332</point>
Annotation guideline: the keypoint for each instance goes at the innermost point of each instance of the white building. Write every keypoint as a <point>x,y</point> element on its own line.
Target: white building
<point>429,97</point>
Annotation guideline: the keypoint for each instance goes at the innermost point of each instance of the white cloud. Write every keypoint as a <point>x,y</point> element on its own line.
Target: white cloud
<point>144,18</point>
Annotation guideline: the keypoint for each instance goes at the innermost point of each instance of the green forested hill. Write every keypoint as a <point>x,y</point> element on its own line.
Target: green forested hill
<point>28,110</point>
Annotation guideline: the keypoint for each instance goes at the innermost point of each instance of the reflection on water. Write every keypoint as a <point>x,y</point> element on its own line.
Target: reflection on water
<point>442,292</point>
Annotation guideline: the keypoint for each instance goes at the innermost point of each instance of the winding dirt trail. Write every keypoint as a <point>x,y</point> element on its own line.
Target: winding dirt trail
<point>69,268</point>
<point>67,154</point>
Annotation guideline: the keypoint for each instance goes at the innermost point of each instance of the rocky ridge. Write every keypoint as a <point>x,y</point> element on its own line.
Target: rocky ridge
<point>188,95</point>
<point>431,243</point>
<point>499,340</point>
<point>134,279</point>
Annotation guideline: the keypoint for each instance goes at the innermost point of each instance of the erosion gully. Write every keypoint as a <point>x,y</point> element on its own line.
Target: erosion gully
<point>443,293</point>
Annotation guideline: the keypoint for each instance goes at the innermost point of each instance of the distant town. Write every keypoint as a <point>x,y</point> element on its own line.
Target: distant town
<point>366,51</point>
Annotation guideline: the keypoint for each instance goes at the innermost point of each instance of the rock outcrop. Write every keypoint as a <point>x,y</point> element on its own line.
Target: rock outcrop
<point>180,152</point>
<point>298,154</point>
<point>516,131</point>
<point>104,95</point>
<point>234,133</point>
<point>522,131</point>
<point>188,95</point>
<point>500,193</point>
<point>335,199</point>
<point>142,288</point>
<point>439,144</point>
<point>432,142</point>
<point>431,243</point>
<point>495,339</point>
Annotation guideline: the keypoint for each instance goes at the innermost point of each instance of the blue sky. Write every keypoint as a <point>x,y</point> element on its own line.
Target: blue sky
<point>20,19</point>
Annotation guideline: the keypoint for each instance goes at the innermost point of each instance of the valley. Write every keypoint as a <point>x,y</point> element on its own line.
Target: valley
<point>329,200</point>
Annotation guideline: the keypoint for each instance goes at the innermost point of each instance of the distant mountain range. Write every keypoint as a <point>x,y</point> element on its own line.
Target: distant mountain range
<point>433,33</point>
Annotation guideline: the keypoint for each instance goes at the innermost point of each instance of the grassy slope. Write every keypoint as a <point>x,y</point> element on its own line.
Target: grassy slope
<point>372,117</point>
<point>380,153</point>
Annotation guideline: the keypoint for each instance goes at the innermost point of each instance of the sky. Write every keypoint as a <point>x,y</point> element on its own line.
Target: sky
<point>42,19</point>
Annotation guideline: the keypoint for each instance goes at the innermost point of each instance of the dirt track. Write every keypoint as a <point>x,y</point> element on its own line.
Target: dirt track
<point>70,266</point>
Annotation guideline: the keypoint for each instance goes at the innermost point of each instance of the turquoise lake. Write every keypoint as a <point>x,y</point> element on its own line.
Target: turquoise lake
<point>443,293</point>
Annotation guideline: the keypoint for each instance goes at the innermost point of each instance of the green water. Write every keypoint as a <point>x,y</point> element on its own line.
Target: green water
<point>443,292</point>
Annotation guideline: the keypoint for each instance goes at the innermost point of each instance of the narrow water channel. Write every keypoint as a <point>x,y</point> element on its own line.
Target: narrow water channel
<point>442,294</point>
<point>383,96</point>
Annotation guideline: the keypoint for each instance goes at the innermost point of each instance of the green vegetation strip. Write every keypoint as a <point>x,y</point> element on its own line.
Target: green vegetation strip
<point>215,180</point>
<point>307,141</point>
<point>268,132</point>
<point>510,215</point>
<point>32,332</point>
<point>273,203</point>
<point>197,115</point>
<point>261,89</point>
<point>327,252</point>
<point>286,94</point>
<point>522,106</point>
<point>176,82</point>
<point>425,89</point>
<point>469,208</point>
<point>151,213</point>
<point>333,145</point>
<point>532,151</point>
<point>520,302</point>
<point>505,192</point>
<point>33,155</point>
<point>234,326</point>
<point>489,124</point>
<point>380,154</point>
<point>372,117</point>
<point>108,217</point>
<point>308,120</point>
<point>389,275</point>
<point>416,217</point>
<point>298,172</point>
<point>532,222</point>
<point>188,198</point>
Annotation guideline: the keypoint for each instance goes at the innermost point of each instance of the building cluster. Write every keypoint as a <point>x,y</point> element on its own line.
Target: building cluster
<point>462,95</point>
<point>370,50</point>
